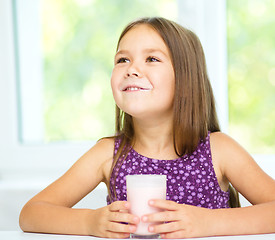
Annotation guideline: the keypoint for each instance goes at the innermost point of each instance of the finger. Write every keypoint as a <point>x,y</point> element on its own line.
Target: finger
<point>119,205</point>
<point>165,216</point>
<point>123,217</point>
<point>164,204</point>
<point>121,227</point>
<point>165,227</point>
<point>123,211</point>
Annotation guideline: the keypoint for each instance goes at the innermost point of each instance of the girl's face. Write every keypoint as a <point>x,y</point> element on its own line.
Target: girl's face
<point>143,78</point>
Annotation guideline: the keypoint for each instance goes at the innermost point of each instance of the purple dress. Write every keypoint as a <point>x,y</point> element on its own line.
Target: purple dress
<point>191,179</point>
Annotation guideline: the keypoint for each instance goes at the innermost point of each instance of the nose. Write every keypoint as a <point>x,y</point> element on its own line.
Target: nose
<point>134,74</point>
<point>133,71</point>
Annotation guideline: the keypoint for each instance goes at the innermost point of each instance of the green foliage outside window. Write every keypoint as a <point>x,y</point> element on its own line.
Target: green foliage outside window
<point>251,69</point>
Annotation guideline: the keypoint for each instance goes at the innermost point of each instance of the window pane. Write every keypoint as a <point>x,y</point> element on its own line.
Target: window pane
<point>251,69</point>
<point>79,41</point>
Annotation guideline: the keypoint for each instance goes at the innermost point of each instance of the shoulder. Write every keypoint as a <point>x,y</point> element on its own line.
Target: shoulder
<point>98,158</point>
<point>105,146</point>
<point>227,153</point>
<point>223,144</point>
<point>224,147</point>
<point>233,160</point>
<point>219,137</point>
<point>102,150</point>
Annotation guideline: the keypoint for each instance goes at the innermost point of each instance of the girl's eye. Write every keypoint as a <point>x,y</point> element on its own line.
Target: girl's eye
<point>152,59</point>
<point>122,60</point>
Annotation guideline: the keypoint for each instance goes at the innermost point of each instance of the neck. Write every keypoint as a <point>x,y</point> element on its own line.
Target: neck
<point>154,138</point>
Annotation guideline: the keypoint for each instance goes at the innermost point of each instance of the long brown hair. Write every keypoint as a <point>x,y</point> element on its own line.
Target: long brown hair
<point>194,104</point>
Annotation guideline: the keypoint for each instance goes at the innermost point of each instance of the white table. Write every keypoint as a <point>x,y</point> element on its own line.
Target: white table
<point>17,235</point>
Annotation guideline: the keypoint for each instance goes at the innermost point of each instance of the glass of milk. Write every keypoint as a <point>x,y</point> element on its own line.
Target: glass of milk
<point>141,189</point>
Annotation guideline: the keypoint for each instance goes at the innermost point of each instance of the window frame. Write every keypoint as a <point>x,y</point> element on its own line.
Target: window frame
<point>19,160</point>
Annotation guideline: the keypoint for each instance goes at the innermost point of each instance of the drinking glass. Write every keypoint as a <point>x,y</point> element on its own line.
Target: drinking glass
<point>141,189</point>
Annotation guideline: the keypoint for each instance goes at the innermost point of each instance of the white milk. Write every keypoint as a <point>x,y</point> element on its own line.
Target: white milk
<point>140,189</point>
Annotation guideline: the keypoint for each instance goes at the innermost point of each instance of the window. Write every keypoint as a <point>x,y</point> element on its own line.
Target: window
<point>56,65</point>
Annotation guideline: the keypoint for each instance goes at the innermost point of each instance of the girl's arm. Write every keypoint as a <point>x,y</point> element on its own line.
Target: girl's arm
<point>246,176</point>
<point>252,182</point>
<point>50,211</point>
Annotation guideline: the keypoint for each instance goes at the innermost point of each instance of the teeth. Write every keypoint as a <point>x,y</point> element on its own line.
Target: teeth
<point>136,89</point>
<point>132,88</point>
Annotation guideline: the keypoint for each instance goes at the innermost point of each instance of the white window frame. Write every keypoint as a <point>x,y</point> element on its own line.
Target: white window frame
<point>18,160</point>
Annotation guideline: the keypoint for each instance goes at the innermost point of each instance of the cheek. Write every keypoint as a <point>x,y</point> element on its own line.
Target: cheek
<point>114,91</point>
<point>169,82</point>
<point>170,88</point>
<point>114,82</point>
<point>115,88</point>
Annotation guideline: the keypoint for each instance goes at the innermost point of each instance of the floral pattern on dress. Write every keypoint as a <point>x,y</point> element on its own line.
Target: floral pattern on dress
<point>191,179</point>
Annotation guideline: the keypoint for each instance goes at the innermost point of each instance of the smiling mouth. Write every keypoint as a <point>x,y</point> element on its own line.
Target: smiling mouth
<point>132,89</point>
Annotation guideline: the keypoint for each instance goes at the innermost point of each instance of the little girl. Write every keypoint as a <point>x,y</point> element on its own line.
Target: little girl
<point>166,124</point>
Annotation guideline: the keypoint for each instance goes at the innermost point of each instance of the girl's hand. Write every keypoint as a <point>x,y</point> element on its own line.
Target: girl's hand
<point>111,221</point>
<point>177,220</point>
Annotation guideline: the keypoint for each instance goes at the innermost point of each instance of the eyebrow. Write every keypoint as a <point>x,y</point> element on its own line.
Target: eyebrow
<point>147,50</point>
